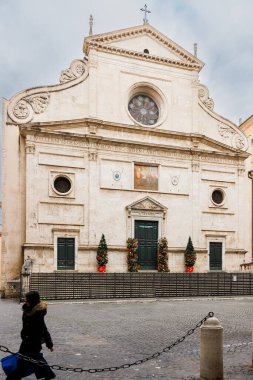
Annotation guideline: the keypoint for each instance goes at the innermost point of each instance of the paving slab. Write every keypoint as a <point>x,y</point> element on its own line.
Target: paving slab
<point>97,334</point>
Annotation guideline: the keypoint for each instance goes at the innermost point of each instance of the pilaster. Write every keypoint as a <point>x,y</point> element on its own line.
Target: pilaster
<point>196,217</point>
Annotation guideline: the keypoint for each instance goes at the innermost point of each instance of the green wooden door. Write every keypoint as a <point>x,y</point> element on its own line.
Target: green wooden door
<point>65,253</point>
<point>147,234</point>
<point>215,256</point>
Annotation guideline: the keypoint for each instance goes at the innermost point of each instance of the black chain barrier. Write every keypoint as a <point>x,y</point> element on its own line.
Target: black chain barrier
<point>111,369</point>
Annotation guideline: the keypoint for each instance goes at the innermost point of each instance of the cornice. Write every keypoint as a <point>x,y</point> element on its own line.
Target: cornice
<point>100,42</point>
<point>95,125</point>
<point>88,142</point>
<point>145,57</point>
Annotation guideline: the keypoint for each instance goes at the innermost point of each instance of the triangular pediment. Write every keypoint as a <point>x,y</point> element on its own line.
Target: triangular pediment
<point>146,43</point>
<point>147,203</point>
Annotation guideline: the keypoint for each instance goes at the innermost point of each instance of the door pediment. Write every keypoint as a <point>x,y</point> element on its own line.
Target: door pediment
<point>146,209</point>
<point>147,204</point>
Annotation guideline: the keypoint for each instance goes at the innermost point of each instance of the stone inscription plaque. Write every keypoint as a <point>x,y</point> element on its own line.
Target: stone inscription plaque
<point>61,213</point>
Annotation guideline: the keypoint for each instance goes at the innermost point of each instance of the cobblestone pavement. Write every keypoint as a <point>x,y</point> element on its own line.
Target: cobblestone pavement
<point>96,334</point>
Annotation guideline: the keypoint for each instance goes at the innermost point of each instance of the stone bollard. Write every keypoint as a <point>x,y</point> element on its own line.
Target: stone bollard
<point>211,350</point>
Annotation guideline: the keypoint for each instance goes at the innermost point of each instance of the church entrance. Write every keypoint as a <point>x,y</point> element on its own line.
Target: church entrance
<point>147,234</point>
<point>215,255</point>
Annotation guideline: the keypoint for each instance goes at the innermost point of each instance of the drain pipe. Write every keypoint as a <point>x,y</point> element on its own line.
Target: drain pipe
<point>250,175</point>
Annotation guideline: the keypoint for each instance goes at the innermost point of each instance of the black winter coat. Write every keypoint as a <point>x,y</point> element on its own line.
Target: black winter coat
<point>34,331</point>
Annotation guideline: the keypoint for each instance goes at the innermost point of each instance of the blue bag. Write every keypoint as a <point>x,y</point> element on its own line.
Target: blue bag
<point>10,363</point>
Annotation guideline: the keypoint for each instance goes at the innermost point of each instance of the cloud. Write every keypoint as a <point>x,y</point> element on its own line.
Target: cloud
<point>42,38</point>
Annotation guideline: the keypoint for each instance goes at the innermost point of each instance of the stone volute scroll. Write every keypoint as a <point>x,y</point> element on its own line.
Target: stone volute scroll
<point>23,109</point>
<point>76,70</point>
<point>230,134</point>
<point>203,94</point>
<point>24,106</point>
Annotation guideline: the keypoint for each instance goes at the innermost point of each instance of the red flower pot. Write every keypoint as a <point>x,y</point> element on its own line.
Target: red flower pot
<point>102,268</point>
<point>189,269</point>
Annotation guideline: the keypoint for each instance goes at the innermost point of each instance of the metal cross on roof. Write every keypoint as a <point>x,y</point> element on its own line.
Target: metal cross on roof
<point>145,10</point>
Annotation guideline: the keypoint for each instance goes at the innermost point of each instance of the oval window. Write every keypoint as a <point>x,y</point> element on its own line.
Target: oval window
<point>62,185</point>
<point>218,197</point>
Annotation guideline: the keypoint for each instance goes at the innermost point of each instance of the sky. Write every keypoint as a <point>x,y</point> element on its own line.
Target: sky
<point>39,39</point>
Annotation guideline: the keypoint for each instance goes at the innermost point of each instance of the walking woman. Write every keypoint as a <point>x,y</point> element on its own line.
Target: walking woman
<point>33,334</point>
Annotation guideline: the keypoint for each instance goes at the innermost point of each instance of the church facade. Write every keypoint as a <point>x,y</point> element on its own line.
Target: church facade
<point>126,145</point>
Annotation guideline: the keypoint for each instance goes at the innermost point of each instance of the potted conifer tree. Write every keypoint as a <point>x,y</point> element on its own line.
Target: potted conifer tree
<point>189,256</point>
<point>102,256</point>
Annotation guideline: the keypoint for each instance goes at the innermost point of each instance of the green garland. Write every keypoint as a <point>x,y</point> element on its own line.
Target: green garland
<point>132,255</point>
<point>163,255</point>
<point>102,256</point>
<point>190,254</point>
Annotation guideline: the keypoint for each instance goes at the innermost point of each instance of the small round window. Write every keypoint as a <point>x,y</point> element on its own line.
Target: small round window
<point>62,185</point>
<point>144,109</point>
<point>218,197</point>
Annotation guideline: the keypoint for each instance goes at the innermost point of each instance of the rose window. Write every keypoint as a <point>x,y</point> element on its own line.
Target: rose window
<point>144,109</point>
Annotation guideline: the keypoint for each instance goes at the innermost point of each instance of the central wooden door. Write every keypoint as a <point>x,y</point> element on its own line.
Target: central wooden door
<point>147,234</point>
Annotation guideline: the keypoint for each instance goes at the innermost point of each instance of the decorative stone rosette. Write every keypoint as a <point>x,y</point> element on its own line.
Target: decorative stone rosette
<point>22,110</point>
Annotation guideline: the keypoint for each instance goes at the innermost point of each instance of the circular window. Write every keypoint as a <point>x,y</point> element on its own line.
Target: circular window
<point>146,51</point>
<point>143,109</point>
<point>218,197</point>
<point>62,185</point>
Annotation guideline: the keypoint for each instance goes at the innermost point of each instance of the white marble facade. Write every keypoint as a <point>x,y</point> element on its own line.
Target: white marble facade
<point>82,134</point>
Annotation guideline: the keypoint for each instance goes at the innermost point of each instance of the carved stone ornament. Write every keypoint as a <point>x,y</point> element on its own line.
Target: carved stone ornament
<point>39,103</point>
<point>241,171</point>
<point>225,131</point>
<point>148,205</point>
<point>203,94</point>
<point>236,140</point>
<point>23,107</point>
<point>76,70</point>
<point>195,166</point>
<point>116,175</point>
<point>29,148</point>
<point>174,180</point>
<point>92,129</point>
<point>92,156</point>
<point>23,110</point>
